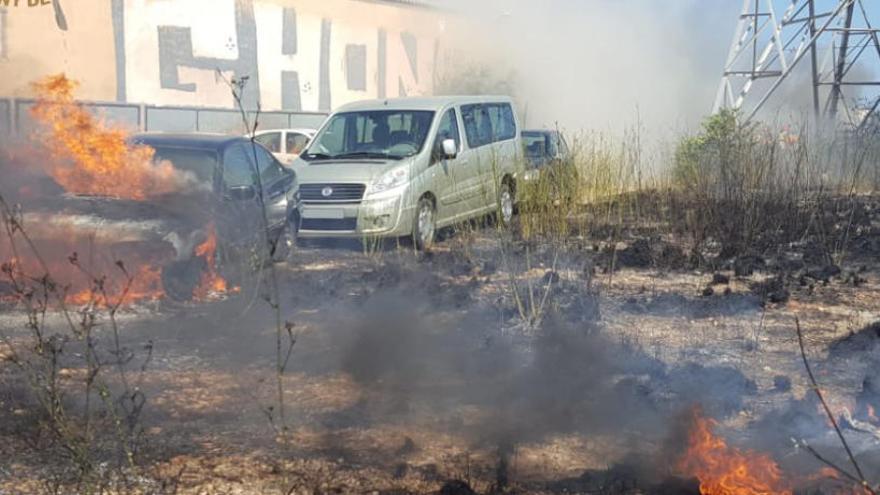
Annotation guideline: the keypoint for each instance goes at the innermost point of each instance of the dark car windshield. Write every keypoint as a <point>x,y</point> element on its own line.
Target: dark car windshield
<point>535,143</point>
<point>381,134</point>
<point>202,163</point>
<point>541,147</point>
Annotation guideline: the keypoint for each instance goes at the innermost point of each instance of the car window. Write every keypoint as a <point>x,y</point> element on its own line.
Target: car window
<point>563,145</point>
<point>270,169</point>
<point>332,139</point>
<point>535,144</point>
<point>202,163</point>
<point>553,144</point>
<point>272,141</point>
<point>488,123</point>
<point>237,169</point>
<point>296,142</point>
<point>448,129</point>
<point>475,125</point>
<point>503,123</point>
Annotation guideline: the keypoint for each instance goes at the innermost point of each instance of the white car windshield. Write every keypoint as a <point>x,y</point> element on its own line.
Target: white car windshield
<point>380,134</point>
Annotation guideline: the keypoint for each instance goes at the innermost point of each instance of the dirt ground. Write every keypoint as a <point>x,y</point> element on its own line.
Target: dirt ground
<point>409,371</point>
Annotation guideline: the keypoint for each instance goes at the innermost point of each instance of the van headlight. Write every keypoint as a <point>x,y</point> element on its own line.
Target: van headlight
<point>391,179</point>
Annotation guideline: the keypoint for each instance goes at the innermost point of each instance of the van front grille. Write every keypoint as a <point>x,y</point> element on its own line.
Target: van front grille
<point>332,193</point>
<point>322,224</point>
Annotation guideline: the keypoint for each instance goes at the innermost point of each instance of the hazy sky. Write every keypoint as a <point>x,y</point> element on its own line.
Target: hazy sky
<point>601,64</point>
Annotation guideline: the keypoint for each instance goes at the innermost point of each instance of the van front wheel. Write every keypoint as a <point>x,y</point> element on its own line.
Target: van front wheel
<point>505,203</point>
<point>424,225</point>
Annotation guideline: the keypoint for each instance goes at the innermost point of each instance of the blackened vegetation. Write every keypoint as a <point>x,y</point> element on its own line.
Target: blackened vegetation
<point>805,240</point>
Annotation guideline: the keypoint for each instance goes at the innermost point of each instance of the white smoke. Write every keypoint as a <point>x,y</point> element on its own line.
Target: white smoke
<point>602,64</point>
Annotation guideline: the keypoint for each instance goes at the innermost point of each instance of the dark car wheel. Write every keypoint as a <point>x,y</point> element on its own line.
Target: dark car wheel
<point>284,243</point>
<point>181,278</point>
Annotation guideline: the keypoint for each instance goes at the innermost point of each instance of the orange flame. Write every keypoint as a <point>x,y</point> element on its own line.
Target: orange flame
<point>98,280</point>
<point>145,285</point>
<point>725,470</point>
<point>91,157</point>
<point>212,284</point>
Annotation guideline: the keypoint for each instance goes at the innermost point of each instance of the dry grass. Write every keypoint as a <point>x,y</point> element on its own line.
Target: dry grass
<point>730,190</point>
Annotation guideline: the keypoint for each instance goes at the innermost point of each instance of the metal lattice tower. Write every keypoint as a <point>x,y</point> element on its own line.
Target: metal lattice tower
<point>830,46</point>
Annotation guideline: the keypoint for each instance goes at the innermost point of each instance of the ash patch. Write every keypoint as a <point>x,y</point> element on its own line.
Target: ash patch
<point>864,340</point>
<point>720,389</point>
<point>673,304</point>
<point>635,473</point>
<point>420,364</point>
<point>647,253</point>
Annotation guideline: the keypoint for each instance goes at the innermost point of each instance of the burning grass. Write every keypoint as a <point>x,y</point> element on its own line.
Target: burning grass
<point>725,470</point>
<point>211,284</point>
<point>83,271</point>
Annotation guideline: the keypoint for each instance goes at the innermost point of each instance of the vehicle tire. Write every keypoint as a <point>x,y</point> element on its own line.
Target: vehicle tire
<point>506,203</point>
<point>424,225</point>
<point>285,244</point>
<point>181,278</point>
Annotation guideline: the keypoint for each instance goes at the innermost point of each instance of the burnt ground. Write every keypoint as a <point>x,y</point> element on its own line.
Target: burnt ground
<point>409,371</point>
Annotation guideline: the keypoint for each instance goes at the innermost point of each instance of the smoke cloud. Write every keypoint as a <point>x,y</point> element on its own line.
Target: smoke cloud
<point>594,64</point>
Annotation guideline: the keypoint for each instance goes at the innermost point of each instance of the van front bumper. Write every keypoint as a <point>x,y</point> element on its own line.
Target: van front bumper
<point>383,217</point>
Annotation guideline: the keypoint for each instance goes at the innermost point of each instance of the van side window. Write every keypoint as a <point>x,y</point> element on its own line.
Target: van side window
<point>477,126</point>
<point>488,123</point>
<point>503,123</point>
<point>448,130</point>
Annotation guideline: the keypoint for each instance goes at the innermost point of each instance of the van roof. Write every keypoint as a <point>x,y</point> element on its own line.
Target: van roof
<point>420,103</point>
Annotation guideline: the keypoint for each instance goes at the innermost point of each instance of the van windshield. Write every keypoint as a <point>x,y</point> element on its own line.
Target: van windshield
<point>380,134</point>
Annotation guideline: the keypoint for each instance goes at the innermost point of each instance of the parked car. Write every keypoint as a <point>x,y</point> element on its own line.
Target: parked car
<point>227,201</point>
<point>543,148</point>
<point>409,166</point>
<point>551,173</point>
<point>285,144</point>
<point>208,227</point>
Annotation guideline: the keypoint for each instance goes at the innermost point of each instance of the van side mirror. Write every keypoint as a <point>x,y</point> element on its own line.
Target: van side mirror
<point>241,193</point>
<point>450,150</point>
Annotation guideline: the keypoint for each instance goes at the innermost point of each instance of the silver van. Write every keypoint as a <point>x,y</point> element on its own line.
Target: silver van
<point>409,166</point>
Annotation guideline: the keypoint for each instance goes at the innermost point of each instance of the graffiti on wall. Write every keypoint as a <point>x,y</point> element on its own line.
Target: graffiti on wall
<point>172,52</point>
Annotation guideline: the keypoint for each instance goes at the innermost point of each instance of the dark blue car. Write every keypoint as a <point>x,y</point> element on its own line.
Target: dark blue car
<point>544,147</point>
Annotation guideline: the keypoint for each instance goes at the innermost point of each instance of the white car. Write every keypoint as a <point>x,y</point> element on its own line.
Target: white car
<point>285,144</point>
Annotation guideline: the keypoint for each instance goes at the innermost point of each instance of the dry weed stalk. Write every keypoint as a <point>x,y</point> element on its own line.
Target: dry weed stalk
<point>268,246</point>
<point>859,476</point>
<point>51,375</point>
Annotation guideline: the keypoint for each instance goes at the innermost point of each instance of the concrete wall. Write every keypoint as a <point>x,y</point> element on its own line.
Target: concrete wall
<point>299,55</point>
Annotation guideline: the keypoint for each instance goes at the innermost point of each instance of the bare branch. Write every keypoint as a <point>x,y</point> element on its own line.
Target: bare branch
<point>860,478</point>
